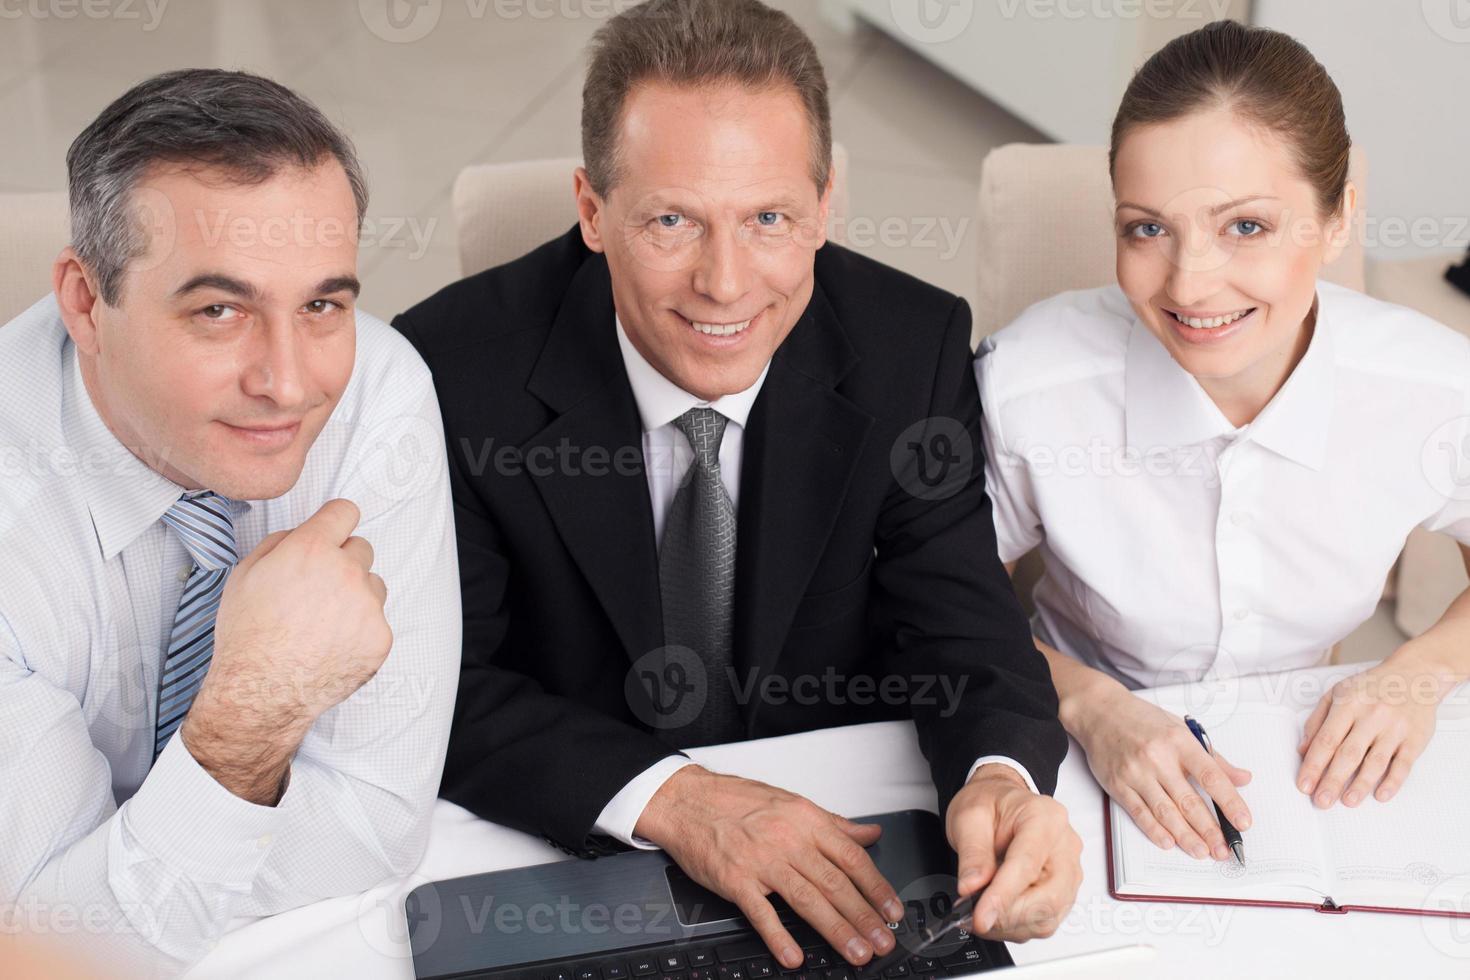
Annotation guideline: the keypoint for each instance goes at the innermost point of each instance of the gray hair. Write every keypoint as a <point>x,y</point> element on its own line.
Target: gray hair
<point>249,126</point>
<point>698,42</point>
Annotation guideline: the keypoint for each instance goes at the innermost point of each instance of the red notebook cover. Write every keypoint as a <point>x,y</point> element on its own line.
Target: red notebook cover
<point>1331,908</point>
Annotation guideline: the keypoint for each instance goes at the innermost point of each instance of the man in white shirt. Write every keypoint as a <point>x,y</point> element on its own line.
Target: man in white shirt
<point>229,623</point>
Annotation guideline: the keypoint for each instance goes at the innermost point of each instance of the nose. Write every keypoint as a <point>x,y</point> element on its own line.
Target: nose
<point>275,369</point>
<point>721,272</point>
<point>1196,269</point>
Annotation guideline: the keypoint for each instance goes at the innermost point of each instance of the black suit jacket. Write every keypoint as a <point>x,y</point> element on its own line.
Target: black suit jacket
<point>846,566</point>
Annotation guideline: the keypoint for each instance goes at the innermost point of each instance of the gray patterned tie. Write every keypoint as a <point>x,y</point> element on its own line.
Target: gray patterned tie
<point>696,568</point>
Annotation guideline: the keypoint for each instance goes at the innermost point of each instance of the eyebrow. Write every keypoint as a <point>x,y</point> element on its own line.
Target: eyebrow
<point>245,290</point>
<point>1217,209</point>
<point>339,284</point>
<point>220,281</point>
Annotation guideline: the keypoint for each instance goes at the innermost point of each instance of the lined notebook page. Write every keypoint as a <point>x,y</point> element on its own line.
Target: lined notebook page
<point>1407,851</point>
<point>1284,860</point>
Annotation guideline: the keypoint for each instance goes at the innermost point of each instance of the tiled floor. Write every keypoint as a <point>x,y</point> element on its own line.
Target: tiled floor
<point>494,80</point>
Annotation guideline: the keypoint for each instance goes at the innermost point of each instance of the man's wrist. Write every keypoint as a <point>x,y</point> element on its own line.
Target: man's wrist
<point>997,771</point>
<point>658,821</point>
<point>253,762</point>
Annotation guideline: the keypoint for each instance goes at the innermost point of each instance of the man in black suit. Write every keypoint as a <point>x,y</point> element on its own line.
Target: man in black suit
<point>715,479</point>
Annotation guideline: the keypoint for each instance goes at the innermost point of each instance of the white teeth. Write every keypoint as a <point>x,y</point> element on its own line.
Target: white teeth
<point>1211,322</point>
<point>720,329</point>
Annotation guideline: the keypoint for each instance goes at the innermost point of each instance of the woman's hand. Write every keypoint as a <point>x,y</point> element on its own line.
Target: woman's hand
<point>1373,724</point>
<point>1143,756</point>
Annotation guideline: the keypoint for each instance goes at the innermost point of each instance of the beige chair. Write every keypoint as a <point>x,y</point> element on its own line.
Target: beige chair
<point>503,210</point>
<point>34,228</point>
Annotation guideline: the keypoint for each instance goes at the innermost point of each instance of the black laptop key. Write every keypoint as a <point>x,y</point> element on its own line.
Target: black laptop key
<point>760,970</point>
<point>588,973</point>
<point>838,973</point>
<point>966,959</point>
<point>559,975</point>
<point>819,959</point>
<point>701,957</point>
<point>669,962</point>
<point>896,971</point>
<point>645,967</point>
<point>615,972</point>
<point>702,972</point>
<point>923,964</point>
<point>747,949</point>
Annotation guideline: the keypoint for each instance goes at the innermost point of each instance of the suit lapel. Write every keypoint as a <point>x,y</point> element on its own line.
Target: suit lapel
<point>802,444</point>
<point>604,519</point>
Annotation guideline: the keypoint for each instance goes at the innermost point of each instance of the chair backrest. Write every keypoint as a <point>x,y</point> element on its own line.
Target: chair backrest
<point>503,210</point>
<point>34,228</point>
<point>1045,225</point>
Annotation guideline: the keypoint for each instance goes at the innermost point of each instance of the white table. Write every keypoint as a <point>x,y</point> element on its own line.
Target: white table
<point>859,770</point>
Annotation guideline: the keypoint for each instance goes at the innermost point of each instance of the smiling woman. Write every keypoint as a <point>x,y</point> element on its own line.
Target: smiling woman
<point>1252,445</point>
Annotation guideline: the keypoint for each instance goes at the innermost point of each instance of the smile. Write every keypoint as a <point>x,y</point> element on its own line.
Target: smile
<point>721,329</point>
<point>1211,322</point>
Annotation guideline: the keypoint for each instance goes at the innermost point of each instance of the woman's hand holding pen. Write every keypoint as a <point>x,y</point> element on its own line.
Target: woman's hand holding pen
<point>1144,757</point>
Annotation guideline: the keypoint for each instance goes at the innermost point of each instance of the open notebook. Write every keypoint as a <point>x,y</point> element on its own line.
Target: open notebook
<point>1411,854</point>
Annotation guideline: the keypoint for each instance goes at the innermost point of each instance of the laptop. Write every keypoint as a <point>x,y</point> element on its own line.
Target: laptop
<point>638,916</point>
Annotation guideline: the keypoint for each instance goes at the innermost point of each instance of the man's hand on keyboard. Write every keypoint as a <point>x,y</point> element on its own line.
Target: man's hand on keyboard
<point>1018,846</point>
<point>745,840</point>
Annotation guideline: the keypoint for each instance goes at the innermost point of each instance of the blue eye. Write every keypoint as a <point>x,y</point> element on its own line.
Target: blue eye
<point>1246,228</point>
<point>670,220</point>
<point>769,218</point>
<point>1147,229</point>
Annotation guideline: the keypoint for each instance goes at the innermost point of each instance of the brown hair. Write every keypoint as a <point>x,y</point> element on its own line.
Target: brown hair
<point>697,42</point>
<point>1267,77</point>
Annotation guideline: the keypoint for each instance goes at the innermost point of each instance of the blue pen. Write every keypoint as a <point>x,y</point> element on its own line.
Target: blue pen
<point>1232,836</point>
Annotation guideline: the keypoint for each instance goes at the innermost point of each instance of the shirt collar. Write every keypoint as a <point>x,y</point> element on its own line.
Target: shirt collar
<point>123,494</point>
<point>660,401</point>
<point>1165,407</point>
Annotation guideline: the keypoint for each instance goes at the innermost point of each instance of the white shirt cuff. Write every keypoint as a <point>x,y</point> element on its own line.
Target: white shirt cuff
<point>1005,761</point>
<point>621,814</point>
<point>184,817</point>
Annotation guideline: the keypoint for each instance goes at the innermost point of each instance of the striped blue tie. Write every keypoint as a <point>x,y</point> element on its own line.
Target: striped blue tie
<point>203,523</point>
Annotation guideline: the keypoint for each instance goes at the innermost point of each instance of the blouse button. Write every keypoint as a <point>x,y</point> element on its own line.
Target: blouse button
<point>1242,613</point>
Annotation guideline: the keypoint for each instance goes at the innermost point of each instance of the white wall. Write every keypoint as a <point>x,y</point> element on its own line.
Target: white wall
<point>1403,67</point>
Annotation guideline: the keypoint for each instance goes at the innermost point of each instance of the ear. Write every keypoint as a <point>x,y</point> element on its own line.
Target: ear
<point>1340,228</point>
<point>589,210</point>
<point>78,297</point>
<point>824,207</point>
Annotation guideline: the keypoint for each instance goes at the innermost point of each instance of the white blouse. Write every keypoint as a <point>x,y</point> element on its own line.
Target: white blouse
<point>1179,547</point>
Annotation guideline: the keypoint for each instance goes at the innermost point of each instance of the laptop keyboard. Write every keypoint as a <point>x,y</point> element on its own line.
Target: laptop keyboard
<point>737,957</point>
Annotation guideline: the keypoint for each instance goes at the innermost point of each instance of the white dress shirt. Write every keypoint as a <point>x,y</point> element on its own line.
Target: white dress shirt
<point>667,457</point>
<point>1179,547</point>
<point>155,861</point>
